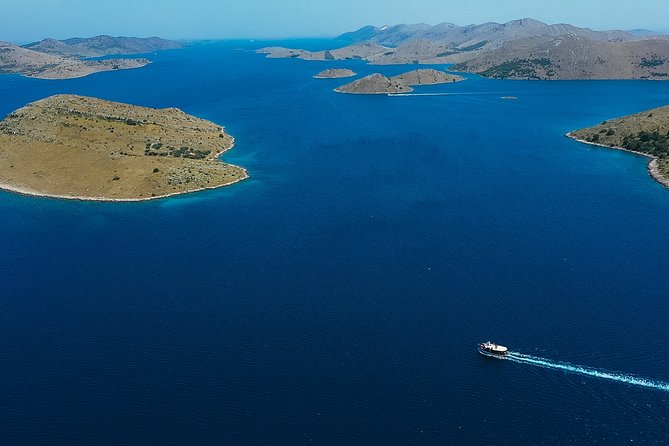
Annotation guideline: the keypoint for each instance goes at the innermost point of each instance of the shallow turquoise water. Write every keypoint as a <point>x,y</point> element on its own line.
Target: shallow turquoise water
<point>337,296</point>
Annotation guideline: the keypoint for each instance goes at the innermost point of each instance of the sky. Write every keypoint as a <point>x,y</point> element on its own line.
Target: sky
<point>30,20</point>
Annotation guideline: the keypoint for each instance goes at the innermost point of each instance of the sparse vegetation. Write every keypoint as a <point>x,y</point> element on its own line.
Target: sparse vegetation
<point>154,149</point>
<point>474,47</point>
<point>518,68</point>
<point>652,62</point>
<point>654,143</point>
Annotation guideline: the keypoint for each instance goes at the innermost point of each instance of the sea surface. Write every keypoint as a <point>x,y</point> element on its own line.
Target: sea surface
<point>337,296</point>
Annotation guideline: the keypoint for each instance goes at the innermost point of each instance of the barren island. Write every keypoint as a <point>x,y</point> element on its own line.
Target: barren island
<point>77,147</point>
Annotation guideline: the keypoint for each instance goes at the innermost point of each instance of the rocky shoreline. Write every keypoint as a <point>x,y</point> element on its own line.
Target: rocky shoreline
<point>653,164</point>
<point>31,193</point>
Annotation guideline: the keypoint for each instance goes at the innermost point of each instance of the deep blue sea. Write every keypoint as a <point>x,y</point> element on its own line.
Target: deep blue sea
<point>338,295</point>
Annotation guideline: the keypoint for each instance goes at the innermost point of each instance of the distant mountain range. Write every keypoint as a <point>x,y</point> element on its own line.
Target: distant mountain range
<point>61,59</point>
<point>520,49</point>
<point>487,35</point>
<point>644,33</point>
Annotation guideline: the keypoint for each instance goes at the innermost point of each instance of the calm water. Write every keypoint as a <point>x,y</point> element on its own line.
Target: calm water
<point>338,295</point>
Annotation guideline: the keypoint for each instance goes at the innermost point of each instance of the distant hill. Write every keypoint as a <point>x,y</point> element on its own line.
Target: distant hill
<point>573,57</point>
<point>102,46</point>
<point>18,60</point>
<point>520,49</point>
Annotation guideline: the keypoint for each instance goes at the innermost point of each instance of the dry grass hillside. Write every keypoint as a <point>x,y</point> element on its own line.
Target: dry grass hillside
<point>79,147</point>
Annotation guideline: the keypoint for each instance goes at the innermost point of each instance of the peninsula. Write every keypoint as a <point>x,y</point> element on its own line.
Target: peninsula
<point>77,147</point>
<point>17,60</point>
<point>64,59</point>
<point>645,133</point>
<point>379,84</point>
<point>520,49</point>
<point>104,45</point>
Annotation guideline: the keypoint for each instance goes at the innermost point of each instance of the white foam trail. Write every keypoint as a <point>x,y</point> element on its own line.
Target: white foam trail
<point>580,370</point>
<point>438,94</point>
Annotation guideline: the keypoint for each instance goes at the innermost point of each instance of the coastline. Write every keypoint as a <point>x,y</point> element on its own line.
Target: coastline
<point>85,70</point>
<point>30,193</point>
<point>653,165</point>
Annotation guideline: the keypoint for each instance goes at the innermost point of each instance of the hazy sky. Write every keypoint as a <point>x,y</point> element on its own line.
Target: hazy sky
<point>23,21</point>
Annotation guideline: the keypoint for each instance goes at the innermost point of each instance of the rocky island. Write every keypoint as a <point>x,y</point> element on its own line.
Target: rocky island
<point>645,133</point>
<point>427,77</point>
<point>374,84</point>
<point>335,73</point>
<point>77,147</point>
<point>379,84</point>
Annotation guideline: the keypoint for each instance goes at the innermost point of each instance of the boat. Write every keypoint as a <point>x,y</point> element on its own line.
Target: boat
<point>490,348</point>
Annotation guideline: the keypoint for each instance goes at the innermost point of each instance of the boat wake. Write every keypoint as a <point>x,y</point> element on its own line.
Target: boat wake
<point>587,371</point>
<point>398,95</point>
